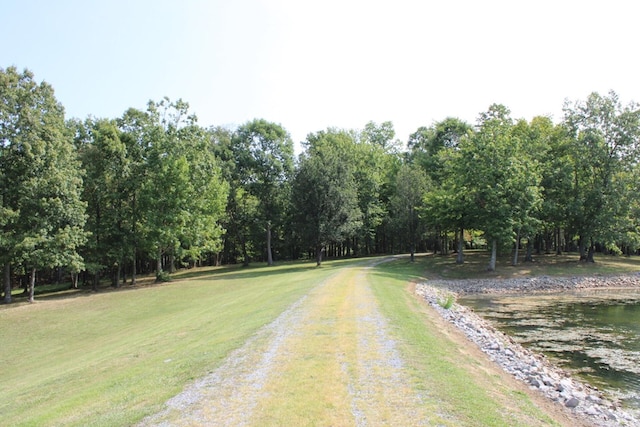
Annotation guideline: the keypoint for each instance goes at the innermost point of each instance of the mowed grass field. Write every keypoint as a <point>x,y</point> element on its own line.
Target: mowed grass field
<point>112,358</point>
<point>567,264</point>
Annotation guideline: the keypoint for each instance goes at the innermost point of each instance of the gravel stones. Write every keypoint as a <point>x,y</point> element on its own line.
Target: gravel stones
<point>532,368</point>
<point>537,284</point>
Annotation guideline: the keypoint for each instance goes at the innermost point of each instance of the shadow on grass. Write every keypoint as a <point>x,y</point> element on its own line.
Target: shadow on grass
<point>568,264</point>
<point>426,266</point>
<point>228,272</point>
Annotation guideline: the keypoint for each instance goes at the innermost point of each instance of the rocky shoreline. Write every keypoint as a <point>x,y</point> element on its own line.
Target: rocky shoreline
<point>542,284</point>
<point>532,368</point>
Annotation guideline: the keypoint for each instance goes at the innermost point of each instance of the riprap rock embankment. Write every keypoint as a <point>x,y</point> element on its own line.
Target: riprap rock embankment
<point>532,368</point>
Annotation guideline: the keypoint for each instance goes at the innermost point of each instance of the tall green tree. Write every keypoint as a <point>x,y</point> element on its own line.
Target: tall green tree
<point>183,196</point>
<point>553,154</point>
<point>41,184</point>
<point>383,135</point>
<point>369,158</point>
<point>603,135</point>
<point>241,217</point>
<point>324,193</point>
<point>175,194</point>
<point>500,177</point>
<point>207,194</point>
<point>263,152</point>
<point>377,158</point>
<point>133,126</point>
<point>527,140</point>
<point>431,145</point>
<point>407,202</point>
<point>106,165</point>
<point>448,207</point>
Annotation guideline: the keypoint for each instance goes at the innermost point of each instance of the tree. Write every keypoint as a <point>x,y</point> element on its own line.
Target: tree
<point>107,170</point>
<point>604,138</point>
<point>241,217</point>
<point>370,160</point>
<point>41,182</point>
<point>382,135</point>
<point>447,204</point>
<point>263,152</point>
<point>553,153</point>
<point>182,197</point>
<point>324,193</point>
<point>500,178</point>
<point>174,195</point>
<point>207,195</point>
<point>411,186</point>
<point>527,140</point>
<point>429,146</point>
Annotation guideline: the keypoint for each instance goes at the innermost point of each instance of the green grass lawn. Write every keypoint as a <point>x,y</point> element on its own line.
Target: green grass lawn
<point>568,264</point>
<point>111,358</point>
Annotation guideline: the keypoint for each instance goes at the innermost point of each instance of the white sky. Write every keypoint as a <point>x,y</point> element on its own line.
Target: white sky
<point>312,64</point>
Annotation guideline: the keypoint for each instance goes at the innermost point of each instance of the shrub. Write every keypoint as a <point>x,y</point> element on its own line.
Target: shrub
<point>448,302</point>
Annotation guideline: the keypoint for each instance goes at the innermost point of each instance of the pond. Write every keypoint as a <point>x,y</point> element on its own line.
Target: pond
<point>593,334</point>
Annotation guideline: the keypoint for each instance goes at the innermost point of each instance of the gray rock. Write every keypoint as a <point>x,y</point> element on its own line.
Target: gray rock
<point>534,382</point>
<point>591,410</point>
<point>572,403</point>
<point>611,416</point>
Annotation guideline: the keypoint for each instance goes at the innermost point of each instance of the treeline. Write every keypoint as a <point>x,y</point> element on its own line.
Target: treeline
<point>152,190</point>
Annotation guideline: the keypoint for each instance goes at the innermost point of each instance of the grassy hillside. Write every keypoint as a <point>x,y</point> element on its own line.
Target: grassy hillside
<point>111,358</point>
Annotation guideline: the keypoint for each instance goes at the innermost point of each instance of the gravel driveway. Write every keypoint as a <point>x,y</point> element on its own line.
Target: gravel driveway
<point>238,392</point>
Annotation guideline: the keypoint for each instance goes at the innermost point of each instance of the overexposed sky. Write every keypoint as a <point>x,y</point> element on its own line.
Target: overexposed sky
<point>309,65</point>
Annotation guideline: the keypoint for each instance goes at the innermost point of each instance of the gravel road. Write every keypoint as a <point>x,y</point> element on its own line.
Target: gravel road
<point>237,392</point>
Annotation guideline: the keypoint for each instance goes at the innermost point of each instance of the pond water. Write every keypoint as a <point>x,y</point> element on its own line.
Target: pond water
<point>593,334</point>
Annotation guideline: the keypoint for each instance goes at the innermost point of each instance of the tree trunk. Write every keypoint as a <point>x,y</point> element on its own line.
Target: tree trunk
<point>172,262</point>
<point>133,267</point>
<point>159,265</point>
<point>558,241</point>
<point>7,283</point>
<point>32,285</point>
<point>135,241</point>
<point>529,256</point>
<point>74,279</point>
<point>460,256</point>
<point>592,249</point>
<point>494,254</point>
<point>269,254</point>
<point>118,274</point>
<point>445,244</point>
<point>124,274</point>
<point>582,249</point>
<point>245,255</point>
<point>318,255</point>
<point>516,252</point>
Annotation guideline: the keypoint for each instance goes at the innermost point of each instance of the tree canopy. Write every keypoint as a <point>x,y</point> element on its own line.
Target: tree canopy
<point>106,199</point>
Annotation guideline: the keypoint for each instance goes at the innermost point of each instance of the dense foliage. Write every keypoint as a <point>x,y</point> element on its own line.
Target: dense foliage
<point>152,190</point>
